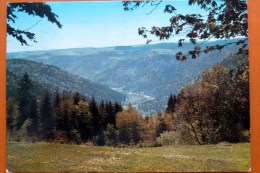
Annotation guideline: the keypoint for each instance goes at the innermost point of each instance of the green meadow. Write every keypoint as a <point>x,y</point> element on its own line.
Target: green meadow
<point>52,157</point>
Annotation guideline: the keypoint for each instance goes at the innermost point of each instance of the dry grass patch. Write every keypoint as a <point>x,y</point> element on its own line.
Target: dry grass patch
<point>46,157</point>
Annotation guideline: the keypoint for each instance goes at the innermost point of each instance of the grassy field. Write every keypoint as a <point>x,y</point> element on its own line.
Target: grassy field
<point>46,157</point>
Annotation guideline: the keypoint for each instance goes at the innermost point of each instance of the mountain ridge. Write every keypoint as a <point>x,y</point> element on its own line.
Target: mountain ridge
<point>54,78</point>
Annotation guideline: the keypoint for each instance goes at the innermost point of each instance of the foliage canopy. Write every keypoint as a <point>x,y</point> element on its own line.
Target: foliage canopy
<point>41,10</point>
<point>225,19</point>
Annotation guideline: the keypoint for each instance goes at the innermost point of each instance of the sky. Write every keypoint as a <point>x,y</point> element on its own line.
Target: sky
<point>94,24</point>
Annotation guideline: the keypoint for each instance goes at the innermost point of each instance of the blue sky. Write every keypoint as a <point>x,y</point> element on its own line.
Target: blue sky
<point>94,24</point>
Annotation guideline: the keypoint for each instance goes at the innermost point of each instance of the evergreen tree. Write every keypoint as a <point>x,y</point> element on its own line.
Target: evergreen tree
<point>46,119</point>
<point>76,98</point>
<point>171,104</point>
<point>34,117</point>
<point>110,114</point>
<point>118,107</point>
<point>56,100</point>
<point>110,135</point>
<point>162,126</point>
<point>12,114</point>
<point>97,121</point>
<point>102,113</point>
<point>24,94</point>
<point>56,109</point>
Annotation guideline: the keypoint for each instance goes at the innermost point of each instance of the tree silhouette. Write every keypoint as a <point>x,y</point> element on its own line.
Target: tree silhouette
<point>46,118</point>
<point>171,104</point>
<point>33,116</point>
<point>225,19</point>
<point>24,95</point>
<point>97,119</point>
<point>38,9</point>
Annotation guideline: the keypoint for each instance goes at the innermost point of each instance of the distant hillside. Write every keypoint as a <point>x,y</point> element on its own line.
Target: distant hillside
<point>234,61</point>
<point>147,74</point>
<point>55,78</point>
<point>12,84</point>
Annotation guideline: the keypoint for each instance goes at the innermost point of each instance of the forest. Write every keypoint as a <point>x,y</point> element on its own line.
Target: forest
<point>211,109</point>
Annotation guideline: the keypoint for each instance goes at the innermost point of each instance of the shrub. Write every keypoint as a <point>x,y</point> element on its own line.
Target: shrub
<point>110,135</point>
<point>75,136</point>
<point>245,136</point>
<point>60,136</point>
<point>99,140</point>
<point>22,133</point>
<point>166,138</point>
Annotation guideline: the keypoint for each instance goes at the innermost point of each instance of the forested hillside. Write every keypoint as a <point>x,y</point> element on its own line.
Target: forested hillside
<point>13,83</point>
<point>54,78</point>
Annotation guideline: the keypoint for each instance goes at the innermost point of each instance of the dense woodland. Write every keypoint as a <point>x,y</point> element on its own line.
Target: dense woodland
<point>212,109</point>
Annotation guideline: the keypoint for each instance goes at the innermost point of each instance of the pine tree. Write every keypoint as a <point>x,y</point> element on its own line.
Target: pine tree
<point>34,117</point>
<point>110,112</point>
<point>12,114</point>
<point>56,100</point>
<point>24,94</point>
<point>76,98</point>
<point>102,113</point>
<point>171,104</point>
<point>97,121</point>
<point>46,119</point>
<point>118,107</point>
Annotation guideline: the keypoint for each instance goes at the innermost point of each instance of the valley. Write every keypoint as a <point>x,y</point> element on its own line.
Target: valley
<point>144,75</point>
